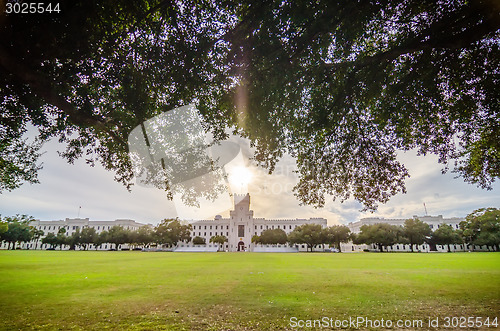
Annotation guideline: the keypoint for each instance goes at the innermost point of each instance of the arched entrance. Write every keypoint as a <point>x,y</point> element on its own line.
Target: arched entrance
<point>241,246</point>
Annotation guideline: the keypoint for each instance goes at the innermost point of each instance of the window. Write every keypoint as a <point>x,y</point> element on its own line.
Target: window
<point>241,230</point>
<point>210,228</point>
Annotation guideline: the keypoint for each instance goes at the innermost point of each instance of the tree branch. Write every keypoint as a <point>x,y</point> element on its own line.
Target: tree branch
<point>44,89</point>
<point>457,41</point>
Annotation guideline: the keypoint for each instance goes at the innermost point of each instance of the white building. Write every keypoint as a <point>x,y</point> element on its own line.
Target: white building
<point>434,222</point>
<point>241,226</point>
<point>71,225</point>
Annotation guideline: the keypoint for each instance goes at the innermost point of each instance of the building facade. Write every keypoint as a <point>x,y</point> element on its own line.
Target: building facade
<point>434,223</point>
<point>70,225</point>
<point>241,226</point>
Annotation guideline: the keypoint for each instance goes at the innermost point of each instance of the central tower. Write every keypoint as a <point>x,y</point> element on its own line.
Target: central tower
<point>241,223</point>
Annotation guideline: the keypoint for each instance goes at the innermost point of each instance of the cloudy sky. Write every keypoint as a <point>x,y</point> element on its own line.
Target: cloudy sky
<point>64,188</point>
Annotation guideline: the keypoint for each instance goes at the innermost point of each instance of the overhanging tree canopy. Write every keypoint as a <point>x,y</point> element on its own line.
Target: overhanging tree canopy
<point>339,85</point>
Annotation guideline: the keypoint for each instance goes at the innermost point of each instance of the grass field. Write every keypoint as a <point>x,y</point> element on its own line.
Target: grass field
<point>213,291</point>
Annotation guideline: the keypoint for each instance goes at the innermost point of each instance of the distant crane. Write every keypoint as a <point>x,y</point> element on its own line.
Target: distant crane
<point>425,208</point>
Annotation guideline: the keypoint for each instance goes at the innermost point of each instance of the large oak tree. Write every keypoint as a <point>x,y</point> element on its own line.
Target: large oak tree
<point>341,86</point>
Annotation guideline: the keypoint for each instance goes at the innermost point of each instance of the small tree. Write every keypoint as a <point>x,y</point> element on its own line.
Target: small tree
<point>309,234</point>
<point>4,226</point>
<point>62,239</point>
<point>171,231</point>
<point>50,239</point>
<point>117,235</point>
<point>255,239</point>
<point>335,235</point>
<point>218,240</point>
<point>74,240</point>
<point>416,231</point>
<point>273,236</point>
<point>445,235</point>
<point>88,236</point>
<point>381,234</point>
<point>101,239</point>
<point>482,227</point>
<point>143,236</point>
<point>199,240</point>
<point>36,234</point>
<point>18,230</point>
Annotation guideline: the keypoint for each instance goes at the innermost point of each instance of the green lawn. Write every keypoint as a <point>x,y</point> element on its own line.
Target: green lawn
<point>144,291</point>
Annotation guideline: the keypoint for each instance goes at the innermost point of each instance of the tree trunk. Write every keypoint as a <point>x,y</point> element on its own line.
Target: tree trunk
<point>449,250</point>
<point>380,247</point>
<point>338,245</point>
<point>411,248</point>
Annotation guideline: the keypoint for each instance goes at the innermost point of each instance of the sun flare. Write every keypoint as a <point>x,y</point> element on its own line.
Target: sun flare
<point>240,176</point>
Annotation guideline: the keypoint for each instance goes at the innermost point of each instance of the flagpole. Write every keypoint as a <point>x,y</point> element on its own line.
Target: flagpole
<point>79,211</point>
